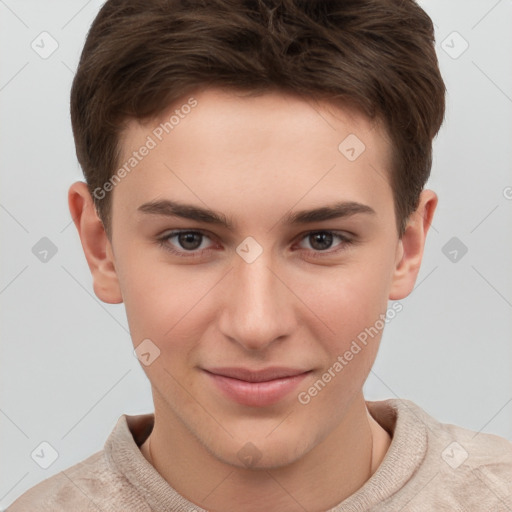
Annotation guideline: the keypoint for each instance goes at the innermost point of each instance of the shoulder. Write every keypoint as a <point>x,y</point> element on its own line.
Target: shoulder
<point>90,485</point>
<point>476,462</point>
<point>460,447</point>
<point>462,467</point>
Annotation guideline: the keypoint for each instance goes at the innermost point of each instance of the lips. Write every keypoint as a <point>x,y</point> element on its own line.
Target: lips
<point>256,388</point>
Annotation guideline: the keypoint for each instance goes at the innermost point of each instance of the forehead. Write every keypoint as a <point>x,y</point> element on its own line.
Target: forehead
<point>230,149</point>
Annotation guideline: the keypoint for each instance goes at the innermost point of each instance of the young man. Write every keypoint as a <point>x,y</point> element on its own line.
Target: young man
<point>255,196</point>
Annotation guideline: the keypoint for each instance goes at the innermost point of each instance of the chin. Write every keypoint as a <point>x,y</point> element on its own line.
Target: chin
<point>263,454</point>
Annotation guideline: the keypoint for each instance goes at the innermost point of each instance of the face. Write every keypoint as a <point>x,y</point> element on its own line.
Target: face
<point>255,282</point>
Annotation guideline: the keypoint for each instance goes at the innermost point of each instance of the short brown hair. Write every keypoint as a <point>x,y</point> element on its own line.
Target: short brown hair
<point>375,55</point>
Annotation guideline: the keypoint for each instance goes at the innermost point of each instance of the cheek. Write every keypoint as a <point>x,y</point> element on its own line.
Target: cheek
<point>352,300</point>
<point>164,303</point>
<point>148,294</point>
<point>353,304</point>
<point>353,307</point>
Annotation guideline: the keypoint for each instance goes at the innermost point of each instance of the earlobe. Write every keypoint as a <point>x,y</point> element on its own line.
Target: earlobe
<point>411,246</point>
<point>95,243</point>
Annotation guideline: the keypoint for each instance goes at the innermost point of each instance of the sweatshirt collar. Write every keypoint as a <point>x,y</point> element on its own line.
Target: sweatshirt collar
<point>405,454</point>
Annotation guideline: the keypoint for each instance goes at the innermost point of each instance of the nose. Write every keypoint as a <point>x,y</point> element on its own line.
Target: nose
<point>258,308</point>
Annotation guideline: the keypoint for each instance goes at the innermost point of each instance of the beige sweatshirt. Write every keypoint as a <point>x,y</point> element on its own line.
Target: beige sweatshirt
<point>429,466</point>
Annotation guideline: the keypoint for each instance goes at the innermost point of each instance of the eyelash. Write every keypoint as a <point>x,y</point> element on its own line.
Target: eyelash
<point>163,242</point>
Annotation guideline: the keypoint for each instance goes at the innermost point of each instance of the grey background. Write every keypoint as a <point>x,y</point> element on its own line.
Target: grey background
<point>67,366</point>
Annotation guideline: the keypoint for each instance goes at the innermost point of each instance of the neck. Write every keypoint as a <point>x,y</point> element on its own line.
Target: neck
<point>333,470</point>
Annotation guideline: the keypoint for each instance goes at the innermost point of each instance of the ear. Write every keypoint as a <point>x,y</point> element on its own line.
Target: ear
<point>95,243</point>
<point>410,247</point>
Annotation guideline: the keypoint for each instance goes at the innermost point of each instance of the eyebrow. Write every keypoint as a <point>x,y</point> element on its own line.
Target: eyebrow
<point>168,208</point>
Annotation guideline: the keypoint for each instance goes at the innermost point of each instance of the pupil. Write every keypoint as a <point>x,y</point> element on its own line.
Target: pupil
<point>323,238</point>
<point>186,239</point>
<point>192,240</point>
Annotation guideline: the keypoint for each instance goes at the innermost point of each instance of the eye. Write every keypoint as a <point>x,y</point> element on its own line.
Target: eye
<point>321,241</point>
<point>188,243</point>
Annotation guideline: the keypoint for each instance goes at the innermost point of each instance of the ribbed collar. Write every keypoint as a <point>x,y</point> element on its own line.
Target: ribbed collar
<point>401,418</point>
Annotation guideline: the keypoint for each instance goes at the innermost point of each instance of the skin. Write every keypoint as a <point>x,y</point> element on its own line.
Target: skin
<point>255,159</point>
